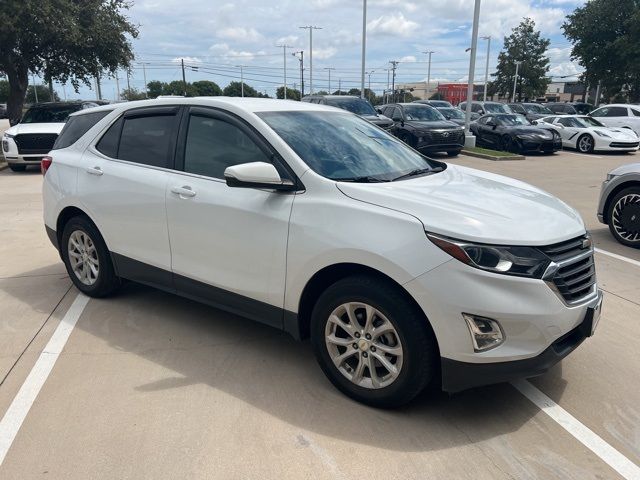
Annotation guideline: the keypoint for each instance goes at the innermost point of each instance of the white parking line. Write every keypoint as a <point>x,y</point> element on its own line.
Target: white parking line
<point>589,155</point>
<point>582,433</point>
<point>618,257</point>
<point>17,412</point>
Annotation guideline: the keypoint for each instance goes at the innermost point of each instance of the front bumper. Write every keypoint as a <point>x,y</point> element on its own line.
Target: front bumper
<point>430,147</point>
<point>546,146</point>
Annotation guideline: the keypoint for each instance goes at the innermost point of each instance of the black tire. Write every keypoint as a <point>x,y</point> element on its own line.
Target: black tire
<point>17,168</point>
<point>107,282</point>
<point>420,350</point>
<point>507,144</point>
<point>589,143</point>
<point>623,217</point>
<point>454,153</point>
<point>408,139</point>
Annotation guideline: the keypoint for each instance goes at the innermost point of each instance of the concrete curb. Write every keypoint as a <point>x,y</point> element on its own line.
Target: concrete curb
<point>493,157</point>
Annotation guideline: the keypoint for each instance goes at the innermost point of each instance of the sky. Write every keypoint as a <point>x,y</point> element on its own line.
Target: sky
<point>216,37</point>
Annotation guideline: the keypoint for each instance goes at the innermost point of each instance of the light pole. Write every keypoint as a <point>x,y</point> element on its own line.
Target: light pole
<point>369,73</point>
<point>284,56</point>
<point>311,28</point>
<point>364,45</point>
<point>394,64</point>
<point>35,90</point>
<point>329,70</point>
<point>144,76</point>
<point>241,67</point>
<point>301,60</point>
<point>472,67</point>
<point>486,69</point>
<point>515,81</point>
<point>184,79</point>
<point>428,89</point>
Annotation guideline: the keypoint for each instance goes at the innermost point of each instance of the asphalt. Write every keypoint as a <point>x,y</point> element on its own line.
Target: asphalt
<point>150,385</point>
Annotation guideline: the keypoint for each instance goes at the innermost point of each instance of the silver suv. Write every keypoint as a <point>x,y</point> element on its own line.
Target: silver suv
<point>619,205</point>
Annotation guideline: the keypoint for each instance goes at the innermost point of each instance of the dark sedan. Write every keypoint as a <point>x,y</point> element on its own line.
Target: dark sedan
<point>514,133</point>
<point>455,115</point>
<point>424,128</point>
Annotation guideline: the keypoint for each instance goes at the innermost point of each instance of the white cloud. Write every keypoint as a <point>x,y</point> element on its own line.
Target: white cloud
<point>291,40</point>
<point>240,34</point>
<point>395,25</point>
<point>408,59</point>
<point>223,50</point>
<point>186,60</point>
<point>324,53</point>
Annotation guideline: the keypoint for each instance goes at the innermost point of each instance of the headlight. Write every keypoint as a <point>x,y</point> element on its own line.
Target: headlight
<point>7,135</point>
<point>602,134</point>
<point>517,261</point>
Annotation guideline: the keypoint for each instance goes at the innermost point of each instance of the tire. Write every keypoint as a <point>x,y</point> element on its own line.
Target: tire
<point>100,284</point>
<point>454,154</point>
<point>411,336</point>
<point>506,143</point>
<point>585,143</point>
<point>17,168</point>
<point>623,217</point>
<point>408,139</point>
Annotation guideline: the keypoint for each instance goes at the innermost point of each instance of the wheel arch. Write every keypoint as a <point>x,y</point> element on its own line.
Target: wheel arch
<point>67,214</point>
<point>613,193</point>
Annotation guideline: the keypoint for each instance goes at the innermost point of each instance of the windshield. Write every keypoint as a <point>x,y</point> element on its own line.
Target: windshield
<point>590,122</point>
<point>57,114</point>
<point>358,106</point>
<point>345,147</point>
<point>439,103</point>
<point>450,113</point>
<point>497,108</point>
<point>535,108</point>
<point>423,113</point>
<point>513,120</point>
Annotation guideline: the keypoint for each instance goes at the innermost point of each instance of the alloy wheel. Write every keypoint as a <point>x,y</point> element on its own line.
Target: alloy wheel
<point>364,345</point>
<point>626,217</point>
<point>585,144</point>
<point>83,257</point>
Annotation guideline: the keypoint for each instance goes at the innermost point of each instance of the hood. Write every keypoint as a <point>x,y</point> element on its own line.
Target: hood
<point>526,130</point>
<point>626,169</point>
<point>444,124</point>
<point>378,119</point>
<point>472,205</point>
<point>35,128</point>
<point>457,121</point>
<point>619,133</point>
<point>536,116</point>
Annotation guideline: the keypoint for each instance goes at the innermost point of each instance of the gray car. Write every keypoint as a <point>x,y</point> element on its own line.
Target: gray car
<point>619,205</point>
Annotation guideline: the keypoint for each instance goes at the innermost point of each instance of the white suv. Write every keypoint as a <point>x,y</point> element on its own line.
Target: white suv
<point>619,115</point>
<point>401,269</point>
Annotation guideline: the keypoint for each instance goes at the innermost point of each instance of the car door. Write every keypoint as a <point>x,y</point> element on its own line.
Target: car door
<point>485,132</point>
<point>611,116</point>
<point>122,185</point>
<point>569,132</point>
<point>228,244</point>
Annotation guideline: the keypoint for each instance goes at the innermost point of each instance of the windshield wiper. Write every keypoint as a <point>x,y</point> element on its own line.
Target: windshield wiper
<point>419,171</point>
<point>363,179</point>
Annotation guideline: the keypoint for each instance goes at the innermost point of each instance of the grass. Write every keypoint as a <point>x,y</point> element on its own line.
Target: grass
<point>486,151</point>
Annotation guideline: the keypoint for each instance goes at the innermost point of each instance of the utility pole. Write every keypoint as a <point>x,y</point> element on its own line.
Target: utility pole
<point>184,79</point>
<point>241,67</point>
<point>284,57</point>
<point>329,70</point>
<point>386,92</point>
<point>144,76</point>
<point>428,89</point>
<point>369,73</point>
<point>95,86</point>
<point>339,86</point>
<point>128,76</point>
<point>311,28</point>
<point>486,68</point>
<point>472,67</point>
<point>515,81</point>
<point>98,88</point>
<point>301,60</point>
<point>117,87</point>
<point>364,45</point>
<point>597,99</point>
<point>394,64</point>
<point>35,90</point>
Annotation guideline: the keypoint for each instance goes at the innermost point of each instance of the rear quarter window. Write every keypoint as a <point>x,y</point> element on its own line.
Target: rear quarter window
<point>76,127</point>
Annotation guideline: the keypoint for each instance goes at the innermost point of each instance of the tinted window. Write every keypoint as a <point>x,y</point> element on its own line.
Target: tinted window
<point>76,127</point>
<point>147,139</point>
<point>108,144</point>
<point>212,145</point>
<point>50,113</point>
<point>422,113</point>
<point>614,112</point>
<point>359,106</point>
<point>636,113</point>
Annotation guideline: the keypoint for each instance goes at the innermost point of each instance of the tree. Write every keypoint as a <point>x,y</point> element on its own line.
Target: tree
<point>234,89</point>
<point>44,95</point>
<point>292,94</point>
<point>206,88</point>
<point>67,40</point>
<point>605,36</point>
<point>154,88</point>
<point>526,46</point>
<point>132,93</point>
<point>437,96</point>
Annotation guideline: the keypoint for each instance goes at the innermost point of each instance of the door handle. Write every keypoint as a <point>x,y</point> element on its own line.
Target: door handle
<point>94,171</point>
<point>184,191</point>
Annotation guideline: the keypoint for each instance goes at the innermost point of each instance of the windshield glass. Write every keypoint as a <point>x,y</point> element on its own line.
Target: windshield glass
<point>513,120</point>
<point>57,114</point>
<point>497,108</point>
<point>345,147</point>
<point>450,113</point>
<point>422,113</point>
<point>534,108</point>
<point>440,103</point>
<point>590,122</point>
<point>358,106</point>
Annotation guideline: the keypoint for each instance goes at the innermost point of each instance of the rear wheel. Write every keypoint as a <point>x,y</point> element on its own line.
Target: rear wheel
<point>507,144</point>
<point>87,258</point>
<point>372,343</point>
<point>454,153</point>
<point>17,168</point>
<point>585,144</point>
<point>624,217</point>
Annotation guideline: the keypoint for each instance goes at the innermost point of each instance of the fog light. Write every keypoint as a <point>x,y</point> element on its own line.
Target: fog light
<point>485,332</point>
<point>5,145</point>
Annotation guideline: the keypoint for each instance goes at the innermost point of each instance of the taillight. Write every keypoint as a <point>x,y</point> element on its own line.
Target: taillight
<point>45,163</point>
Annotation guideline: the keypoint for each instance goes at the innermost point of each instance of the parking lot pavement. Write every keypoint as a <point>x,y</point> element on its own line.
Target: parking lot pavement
<point>150,385</point>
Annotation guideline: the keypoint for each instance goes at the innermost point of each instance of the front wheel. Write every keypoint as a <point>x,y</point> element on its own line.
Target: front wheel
<point>454,153</point>
<point>624,217</point>
<point>372,343</point>
<point>507,144</point>
<point>585,144</point>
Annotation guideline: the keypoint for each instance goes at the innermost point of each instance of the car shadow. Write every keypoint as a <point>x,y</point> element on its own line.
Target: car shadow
<point>269,370</point>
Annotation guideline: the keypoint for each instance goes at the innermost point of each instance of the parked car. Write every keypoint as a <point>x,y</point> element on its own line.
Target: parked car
<point>27,142</point>
<point>345,235</point>
<point>619,115</point>
<point>619,205</point>
<point>425,128</point>
<point>353,104</point>
<point>582,108</point>
<point>482,108</point>
<point>514,133</point>
<point>435,103</point>
<point>3,110</point>
<point>456,115</point>
<point>532,111</point>
<point>586,134</point>
<point>562,108</point>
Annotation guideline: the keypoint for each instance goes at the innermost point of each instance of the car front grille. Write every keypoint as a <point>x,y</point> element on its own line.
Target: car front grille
<point>444,137</point>
<point>623,144</point>
<point>574,275</point>
<point>35,143</point>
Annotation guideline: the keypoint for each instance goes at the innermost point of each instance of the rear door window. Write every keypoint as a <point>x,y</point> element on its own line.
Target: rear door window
<point>76,127</point>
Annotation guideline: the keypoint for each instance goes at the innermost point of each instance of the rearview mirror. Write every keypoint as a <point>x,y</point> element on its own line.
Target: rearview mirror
<point>256,175</point>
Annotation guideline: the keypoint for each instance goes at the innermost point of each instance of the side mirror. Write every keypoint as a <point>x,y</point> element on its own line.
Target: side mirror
<point>256,175</point>
<point>481,112</point>
<point>379,110</point>
<point>491,124</point>
<point>397,118</point>
<point>534,122</point>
